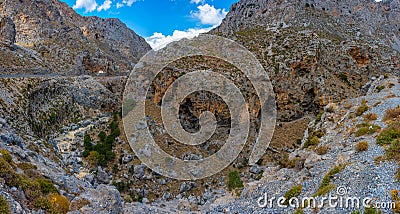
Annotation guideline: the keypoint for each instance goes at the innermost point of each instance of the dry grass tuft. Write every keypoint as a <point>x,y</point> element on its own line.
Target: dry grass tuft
<point>370,117</point>
<point>392,114</point>
<point>362,146</point>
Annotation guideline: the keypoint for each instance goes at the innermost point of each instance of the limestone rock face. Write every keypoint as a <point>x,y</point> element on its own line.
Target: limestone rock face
<point>103,199</point>
<point>50,37</point>
<point>7,30</point>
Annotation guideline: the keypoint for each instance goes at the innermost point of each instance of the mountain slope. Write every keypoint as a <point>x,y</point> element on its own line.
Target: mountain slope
<point>46,36</point>
<point>317,51</point>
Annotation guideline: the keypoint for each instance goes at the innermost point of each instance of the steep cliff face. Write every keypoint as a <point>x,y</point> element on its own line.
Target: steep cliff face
<point>317,51</point>
<point>50,37</point>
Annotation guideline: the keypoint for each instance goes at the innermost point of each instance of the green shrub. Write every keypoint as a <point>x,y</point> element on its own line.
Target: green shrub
<point>344,78</point>
<point>380,88</point>
<point>42,203</point>
<point>388,135</point>
<point>326,184</point>
<point>26,166</point>
<point>7,173</point>
<point>299,211</point>
<point>324,190</point>
<point>319,116</point>
<point>371,210</point>
<point>234,181</point>
<point>4,206</point>
<point>31,187</point>
<point>292,193</point>
<point>93,158</point>
<point>6,156</point>
<point>311,142</point>
<point>46,186</point>
<point>102,136</point>
<point>285,162</point>
<point>59,204</point>
<point>393,151</point>
<point>361,110</point>
<point>103,149</point>
<point>87,140</point>
<point>366,129</point>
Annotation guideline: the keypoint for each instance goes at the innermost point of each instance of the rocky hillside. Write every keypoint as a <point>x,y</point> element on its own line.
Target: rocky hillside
<point>353,145</point>
<point>46,36</point>
<point>317,51</point>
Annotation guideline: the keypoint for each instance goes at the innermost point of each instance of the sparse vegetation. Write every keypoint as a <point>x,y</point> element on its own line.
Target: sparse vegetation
<point>322,150</point>
<point>292,193</point>
<point>388,135</point>
<point>344,78</point>
<point>4,206</point>
<point>366,129</point>
<point>396,200</point>
<point>46,186</point>
<point>380,88</point>
<point>379,159</point>
<point>299,211</point>
<point>319,116</point>
<point>234,182</point>
<point>102,153</point>
<point>331,108</point>
<point>370,117</point>
<point>392,114</point>
<point>362,109</point>
<point>285,162</point>
<point>391,136</point>
<point>371,210</point>
<point>313,138</point>
<point>395,195</point>
<point>53,203</point>
<point>362,146</point>
<point>259,175</point>
<point>6,155</point>
<point>314,141</point>
<point>326,184</point>
<point>39,191</point>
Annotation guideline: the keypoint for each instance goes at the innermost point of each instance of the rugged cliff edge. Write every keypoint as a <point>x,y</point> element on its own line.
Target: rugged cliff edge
<point>46,36</point>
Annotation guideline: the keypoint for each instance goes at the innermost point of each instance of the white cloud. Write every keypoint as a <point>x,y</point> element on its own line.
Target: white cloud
<point>197,1</point>
<point>119,5</point>
<point>88,5</point>
<point>105,6</point>
<point>159,40</point>
<point>128,2</point>
<point>208,15</point>
<point>125,3</point>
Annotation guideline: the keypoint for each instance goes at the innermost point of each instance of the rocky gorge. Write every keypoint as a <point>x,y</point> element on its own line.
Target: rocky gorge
<point>334,66</point>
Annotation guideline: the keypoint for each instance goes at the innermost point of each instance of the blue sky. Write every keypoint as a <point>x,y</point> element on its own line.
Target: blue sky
<point>159,21</point>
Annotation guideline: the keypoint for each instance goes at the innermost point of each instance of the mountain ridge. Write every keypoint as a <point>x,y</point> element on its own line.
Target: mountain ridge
<point>53,38</point>
<point>317,52</point>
